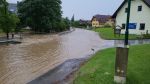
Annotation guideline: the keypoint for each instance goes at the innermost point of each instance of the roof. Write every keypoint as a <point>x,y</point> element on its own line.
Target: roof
<point>147,2</point>
<point>84,21</point>
<point>102,18</point>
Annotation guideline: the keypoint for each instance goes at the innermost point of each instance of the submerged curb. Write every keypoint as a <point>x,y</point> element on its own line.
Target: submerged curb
<point>10,41</point>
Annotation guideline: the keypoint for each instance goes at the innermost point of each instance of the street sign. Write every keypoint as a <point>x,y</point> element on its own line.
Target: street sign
<point>132,25</point>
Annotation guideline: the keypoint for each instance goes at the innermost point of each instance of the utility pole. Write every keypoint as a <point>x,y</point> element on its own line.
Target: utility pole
<point>127,24</point>
<point>122,54</point>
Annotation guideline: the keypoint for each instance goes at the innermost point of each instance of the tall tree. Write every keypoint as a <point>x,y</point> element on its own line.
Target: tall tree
<point>3,7</point>
<point>40,15</point>
<point>4,16</point>
<point>72,20</point>
<point>7,21</point>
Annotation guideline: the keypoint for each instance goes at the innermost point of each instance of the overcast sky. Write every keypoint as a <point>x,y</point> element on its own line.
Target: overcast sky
<point>85,9</point>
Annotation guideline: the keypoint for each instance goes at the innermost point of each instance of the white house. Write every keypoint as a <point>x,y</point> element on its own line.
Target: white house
<point>139,18</point>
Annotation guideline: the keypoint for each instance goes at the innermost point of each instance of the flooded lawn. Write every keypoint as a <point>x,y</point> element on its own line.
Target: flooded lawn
<point>38,54</point>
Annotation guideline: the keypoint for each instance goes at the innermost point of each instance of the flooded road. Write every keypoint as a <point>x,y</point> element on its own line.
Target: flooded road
<point>38,54</point>
<point>22,63</point>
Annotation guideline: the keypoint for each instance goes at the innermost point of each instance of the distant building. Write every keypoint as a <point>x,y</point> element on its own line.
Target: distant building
<point>102,20</point>
<point>139,18</point>
<point>85,22</point>
<point>12,7</point>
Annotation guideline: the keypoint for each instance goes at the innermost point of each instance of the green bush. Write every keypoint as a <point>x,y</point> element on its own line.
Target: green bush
<point>147,36</point>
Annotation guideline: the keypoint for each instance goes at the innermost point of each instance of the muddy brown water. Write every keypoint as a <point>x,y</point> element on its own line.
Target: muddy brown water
<point>38,54</point>
<point>22,63</point>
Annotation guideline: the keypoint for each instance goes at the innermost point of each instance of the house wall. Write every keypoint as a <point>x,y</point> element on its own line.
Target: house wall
<point>136,17</point>
<point>95,23</point>
<point>110,22</point>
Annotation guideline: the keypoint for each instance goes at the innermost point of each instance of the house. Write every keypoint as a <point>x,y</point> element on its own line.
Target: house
<point>84,22</point>
<point>139,18</point>
<point>102,20</point>
<point>12,7</point>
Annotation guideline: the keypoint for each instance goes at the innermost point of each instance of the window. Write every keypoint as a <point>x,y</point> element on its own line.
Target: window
<point>139,8</point>
<point>123,26</point>
<point>126,10</point>
<point>142,26</point>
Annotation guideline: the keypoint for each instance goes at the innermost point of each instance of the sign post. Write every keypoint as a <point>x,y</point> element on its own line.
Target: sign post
<point>122,54</point>
<point>127,23</point>
<point>121,65</point>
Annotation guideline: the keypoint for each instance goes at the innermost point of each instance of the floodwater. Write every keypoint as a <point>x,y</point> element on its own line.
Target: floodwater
<point>21,63</point>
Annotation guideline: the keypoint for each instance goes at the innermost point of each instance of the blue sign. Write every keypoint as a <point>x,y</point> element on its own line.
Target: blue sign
<point>132,25</point>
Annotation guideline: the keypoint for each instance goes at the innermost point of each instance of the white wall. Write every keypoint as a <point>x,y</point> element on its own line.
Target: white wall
<point>136,17</point>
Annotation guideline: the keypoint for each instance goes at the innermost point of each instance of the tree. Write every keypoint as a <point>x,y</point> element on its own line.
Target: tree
<point>72,20</point>
<point>3,6</point>
<point>40,15</point>
<point>76,23</point>
<point>8,21</point>
<point>67,22</point>
<point>63,25</point>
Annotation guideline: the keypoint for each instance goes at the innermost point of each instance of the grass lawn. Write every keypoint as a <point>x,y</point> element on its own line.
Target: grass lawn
<point>100,69</point>
<point>108,33</point>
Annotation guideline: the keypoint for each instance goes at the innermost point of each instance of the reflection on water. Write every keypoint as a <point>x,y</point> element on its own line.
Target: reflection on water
<point>38,54</point>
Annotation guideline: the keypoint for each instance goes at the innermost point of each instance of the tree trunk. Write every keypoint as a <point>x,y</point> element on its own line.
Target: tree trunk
<point>7,35</point>
<point>12,35</point>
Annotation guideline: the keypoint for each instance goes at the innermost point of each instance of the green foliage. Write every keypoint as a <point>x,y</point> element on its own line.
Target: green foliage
<point>79,24</point>
<point>3,7</point>
<point>100,69</point>
<point>40,15</point>
<point>76,23</point>
<point>67,22</point>
<point>64,24</point>
<point>146,36</point>
<point>72,21</point>
<point>8,22</point>
<point>108,33</point>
